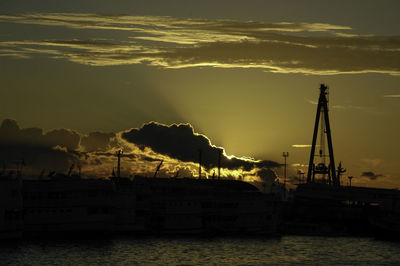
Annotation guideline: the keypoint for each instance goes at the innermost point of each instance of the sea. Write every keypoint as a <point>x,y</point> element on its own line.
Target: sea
<point>285,250</point>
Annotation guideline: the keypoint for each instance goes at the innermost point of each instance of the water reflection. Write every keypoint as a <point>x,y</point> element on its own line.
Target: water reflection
<point>174,251</point>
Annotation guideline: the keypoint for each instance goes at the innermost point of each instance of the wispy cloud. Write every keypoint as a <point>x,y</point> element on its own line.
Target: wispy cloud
<point>368,109</point>
<point>301,145</point>
<point>297,165</point>
<point>312,102</point>
<point>354,107</point>
<point>283,47</point>
<point>392,96</point>
<point>159,25</point>
<point>339,106</point>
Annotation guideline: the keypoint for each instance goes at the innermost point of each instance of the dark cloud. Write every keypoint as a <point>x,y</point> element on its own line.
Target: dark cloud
<point>34,148</point>
<point>11,134</point>
<point>97,141</point>
<point>95,153</point>
<point>63,137</point>
<point>9,130</point>
<point>150,159</point>
<point>182,143</point>
<point>32,136</point>
<point>371,175</point>
<point>267,175</point>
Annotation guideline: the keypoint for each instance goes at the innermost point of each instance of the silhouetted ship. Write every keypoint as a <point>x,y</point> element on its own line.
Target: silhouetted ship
<point>323,206</point>
<point>193,206</point>
<point>72,205</point>
<point>65,204</point>
<point>187,206</point>
<point>69,205</point>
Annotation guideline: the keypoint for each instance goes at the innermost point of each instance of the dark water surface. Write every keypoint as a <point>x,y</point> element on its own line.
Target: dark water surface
<point>205,251</point>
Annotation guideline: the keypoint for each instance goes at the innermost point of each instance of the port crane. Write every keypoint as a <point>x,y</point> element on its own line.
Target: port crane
<point>322,124</point>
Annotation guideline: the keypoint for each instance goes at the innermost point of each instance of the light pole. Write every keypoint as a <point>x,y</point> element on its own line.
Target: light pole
<point>350,178</point>
<point>285,155</point>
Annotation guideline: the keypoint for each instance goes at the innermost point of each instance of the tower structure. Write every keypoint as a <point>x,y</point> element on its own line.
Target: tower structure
<point>322,119</point>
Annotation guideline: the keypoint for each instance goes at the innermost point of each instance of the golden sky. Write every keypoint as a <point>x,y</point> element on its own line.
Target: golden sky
<point>245,74</point>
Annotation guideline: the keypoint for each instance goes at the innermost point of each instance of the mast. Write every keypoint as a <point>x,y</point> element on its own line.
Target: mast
<point>321,168</point>
<point>200,154</point>
<point>285,155</point>
<point>158,168</point>
<point>119,164</point>
<point>219,164</point>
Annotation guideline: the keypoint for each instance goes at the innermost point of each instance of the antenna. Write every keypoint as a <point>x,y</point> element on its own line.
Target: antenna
<point>219,163</point>
<point>158,168</point>
<point>177,173</point>
<point>200,153</point>
<point>70,169</point>
<point>340,171</point>
<point>285,155</point>
<point>51,174</point>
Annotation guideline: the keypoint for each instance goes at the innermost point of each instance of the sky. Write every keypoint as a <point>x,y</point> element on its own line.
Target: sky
<point>162,79</point>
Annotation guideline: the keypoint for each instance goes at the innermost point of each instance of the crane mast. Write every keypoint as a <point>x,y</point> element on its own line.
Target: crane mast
<point>321,168</point>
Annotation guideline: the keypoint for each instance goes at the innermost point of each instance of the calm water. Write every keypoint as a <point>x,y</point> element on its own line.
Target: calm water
<point>217,251</point>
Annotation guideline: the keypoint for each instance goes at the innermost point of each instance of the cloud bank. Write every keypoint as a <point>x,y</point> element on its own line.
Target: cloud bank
<point>182,143</point>
<point>38,150</point>
<point>167,42</point>
<point>392,96</point>
<point>94,154</point>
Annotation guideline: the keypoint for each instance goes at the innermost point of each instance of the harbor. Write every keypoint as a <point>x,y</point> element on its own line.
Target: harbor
<point>62,205</point>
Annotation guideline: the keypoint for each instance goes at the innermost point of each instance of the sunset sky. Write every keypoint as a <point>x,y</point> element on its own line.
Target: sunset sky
<point>82,79</point>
